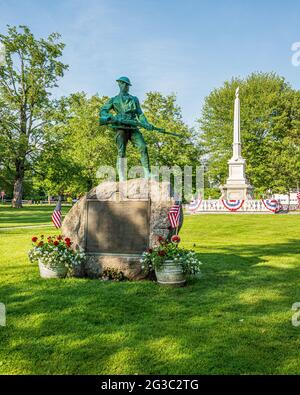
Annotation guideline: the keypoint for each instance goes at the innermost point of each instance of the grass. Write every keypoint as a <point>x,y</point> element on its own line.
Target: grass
<point>27,216</point>
<point>235,320</point>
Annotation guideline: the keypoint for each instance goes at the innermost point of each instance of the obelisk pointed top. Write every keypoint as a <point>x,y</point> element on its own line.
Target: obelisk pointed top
<point>237,92</point>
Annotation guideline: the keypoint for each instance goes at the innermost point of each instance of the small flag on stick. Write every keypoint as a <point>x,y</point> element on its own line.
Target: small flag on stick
<point>56,215</point>
<point>174,214</point>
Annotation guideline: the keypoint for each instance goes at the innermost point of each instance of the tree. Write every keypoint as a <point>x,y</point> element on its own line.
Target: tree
<point>92,145</point>
<point>31,70</point>
<point>75,147</point>
<point>269,124</point>
<point>164,112</point>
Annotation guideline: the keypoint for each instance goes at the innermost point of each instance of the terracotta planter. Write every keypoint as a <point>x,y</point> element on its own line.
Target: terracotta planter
<point>170,274</point>
<point>57,272</point>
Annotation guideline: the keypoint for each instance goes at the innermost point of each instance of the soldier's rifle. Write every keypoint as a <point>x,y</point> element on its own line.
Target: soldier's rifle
<point>130,124</point>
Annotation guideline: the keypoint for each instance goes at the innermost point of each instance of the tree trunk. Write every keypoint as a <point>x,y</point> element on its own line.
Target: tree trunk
<point>18,193</point>
<point>18,185</point>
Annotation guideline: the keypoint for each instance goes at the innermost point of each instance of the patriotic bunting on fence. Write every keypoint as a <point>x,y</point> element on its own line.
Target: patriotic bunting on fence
<point>233,205</point>
<point>271,204</point>
<point>194,204</point>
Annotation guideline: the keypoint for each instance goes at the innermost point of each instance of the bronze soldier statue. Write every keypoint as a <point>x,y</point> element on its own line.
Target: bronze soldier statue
<point>128,115</point>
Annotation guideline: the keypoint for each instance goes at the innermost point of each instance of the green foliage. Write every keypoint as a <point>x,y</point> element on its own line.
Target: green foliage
<point>113,274</point>
<point>270,130</point>
<point>154,258</point>
<point>211,193</point>
<point>55,252</point>
<point>57,146</point>
<point>31,70</point>
<point>75,147</point>
<point>164,112</point>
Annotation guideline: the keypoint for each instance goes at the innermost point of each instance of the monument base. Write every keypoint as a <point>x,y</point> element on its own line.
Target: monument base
<point>236,191</point>
<point>237,186</point>
<point>128,264</point>
<point>116,222</point>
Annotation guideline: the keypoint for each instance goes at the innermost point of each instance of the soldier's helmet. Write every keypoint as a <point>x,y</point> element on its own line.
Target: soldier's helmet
<point>124,79</point>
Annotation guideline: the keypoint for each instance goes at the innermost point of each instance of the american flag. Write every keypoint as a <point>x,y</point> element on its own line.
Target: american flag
<point>56,215</point>
<point>174,214</point>
<point>298,197</point>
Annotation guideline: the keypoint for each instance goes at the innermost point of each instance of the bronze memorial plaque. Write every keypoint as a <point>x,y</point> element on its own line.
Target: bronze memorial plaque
<point>117,227</point>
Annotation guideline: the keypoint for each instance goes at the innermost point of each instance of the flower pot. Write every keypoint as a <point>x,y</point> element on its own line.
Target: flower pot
<point>170,273</point>
<point>55,272</point>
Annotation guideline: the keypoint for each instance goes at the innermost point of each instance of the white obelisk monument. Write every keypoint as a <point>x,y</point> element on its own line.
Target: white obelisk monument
<point>237,186</point>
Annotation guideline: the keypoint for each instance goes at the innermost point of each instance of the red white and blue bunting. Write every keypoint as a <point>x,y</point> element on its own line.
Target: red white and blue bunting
<point>233,205</point>
<point>194,205</point>
<point>271,204</point>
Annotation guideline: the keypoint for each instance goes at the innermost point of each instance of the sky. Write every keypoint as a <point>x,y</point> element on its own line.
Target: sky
<point>186,47</point>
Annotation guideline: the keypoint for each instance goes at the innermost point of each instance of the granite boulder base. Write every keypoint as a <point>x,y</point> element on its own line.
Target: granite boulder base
<point>116,221</point>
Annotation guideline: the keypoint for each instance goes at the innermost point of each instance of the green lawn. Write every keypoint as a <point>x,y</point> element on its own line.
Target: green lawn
<point>235,320</point>
<point>27,216</point>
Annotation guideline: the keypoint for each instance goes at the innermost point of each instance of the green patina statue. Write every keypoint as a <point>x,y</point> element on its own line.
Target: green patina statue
<point>128,116</point>
<point>127,119</point>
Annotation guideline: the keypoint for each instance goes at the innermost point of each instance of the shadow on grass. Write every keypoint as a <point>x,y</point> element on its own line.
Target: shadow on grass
<point>27,215</point>
<point>236,319</point>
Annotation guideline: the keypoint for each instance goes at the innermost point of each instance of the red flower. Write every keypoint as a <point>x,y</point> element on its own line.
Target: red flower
<point>161,239</point>
<point>34,239</point>
<point>56,243</point>
<point>150,250</point>
<point>175,239</point>
<point>162,253</point>
<point>67,240</point>
<point>41,243</point>
<point>59,237</point>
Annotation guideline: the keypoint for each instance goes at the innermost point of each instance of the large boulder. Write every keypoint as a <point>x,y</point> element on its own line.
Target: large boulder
<point>116,221</point>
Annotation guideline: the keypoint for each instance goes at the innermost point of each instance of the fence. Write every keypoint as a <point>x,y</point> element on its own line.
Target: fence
<point>267,206</point>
